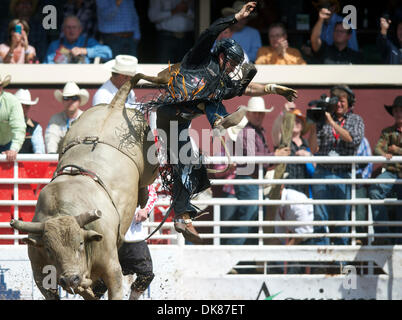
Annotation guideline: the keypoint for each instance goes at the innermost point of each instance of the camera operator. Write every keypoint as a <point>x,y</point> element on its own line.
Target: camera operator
<point>339,135</point>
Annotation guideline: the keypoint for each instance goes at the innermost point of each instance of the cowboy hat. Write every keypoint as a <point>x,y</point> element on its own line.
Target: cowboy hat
<point>5,81</point>
<point>397,103</point>
<point>123,64</point>
<point>24,97</point>
<point>71,89</point>
<point>257,104</point>
<point>234,131</point>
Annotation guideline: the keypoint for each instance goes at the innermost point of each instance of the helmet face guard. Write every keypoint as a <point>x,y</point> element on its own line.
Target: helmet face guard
<point>232,51</point>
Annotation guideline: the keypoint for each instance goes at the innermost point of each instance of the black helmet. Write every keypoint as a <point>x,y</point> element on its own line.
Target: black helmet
<point>231,49</point>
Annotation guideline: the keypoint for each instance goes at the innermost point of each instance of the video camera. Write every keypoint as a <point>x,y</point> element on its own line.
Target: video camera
<point>317,113</point>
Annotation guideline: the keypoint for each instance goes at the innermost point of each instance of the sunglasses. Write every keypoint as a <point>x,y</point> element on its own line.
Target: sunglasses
<point>74,98</point>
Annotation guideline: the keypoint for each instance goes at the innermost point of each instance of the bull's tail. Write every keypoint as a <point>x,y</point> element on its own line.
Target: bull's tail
<point>161,79</point>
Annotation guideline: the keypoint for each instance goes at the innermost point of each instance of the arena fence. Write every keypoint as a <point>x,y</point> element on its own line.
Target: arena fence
<point>361,270</point>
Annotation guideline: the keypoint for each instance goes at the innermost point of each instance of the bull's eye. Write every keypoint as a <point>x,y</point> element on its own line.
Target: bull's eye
<point>82,245</point>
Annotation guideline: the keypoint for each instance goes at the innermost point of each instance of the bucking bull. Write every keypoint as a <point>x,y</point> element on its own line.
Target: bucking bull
<point>82,215</point>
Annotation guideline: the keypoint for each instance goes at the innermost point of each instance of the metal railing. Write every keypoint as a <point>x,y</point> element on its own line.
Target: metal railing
<point>216,222</point>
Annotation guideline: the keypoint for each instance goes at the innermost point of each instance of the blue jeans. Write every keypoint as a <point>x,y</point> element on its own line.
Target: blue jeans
<point>5,147</point>
<point>228,213</point>
<point>381,191</point>
<point>245,213</point>
<point>120,45</point>
<point>330,212</point>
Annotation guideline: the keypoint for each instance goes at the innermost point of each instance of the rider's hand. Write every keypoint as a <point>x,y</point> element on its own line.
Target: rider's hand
<point>286,92</point>
<point>246,10</point>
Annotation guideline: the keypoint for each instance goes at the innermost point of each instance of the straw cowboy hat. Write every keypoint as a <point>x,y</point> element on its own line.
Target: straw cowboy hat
<point>397,103</point>
<point>71,89</point>
<point>235,130</point>
<point>257,104</point>
<point>123,64</point>
<point>24,97</point>
<point>4,82</point>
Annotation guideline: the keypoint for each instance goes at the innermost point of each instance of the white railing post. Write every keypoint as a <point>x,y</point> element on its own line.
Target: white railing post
<point>16,198</point>
<point>260,207</point>
<point>353,197</point>
<point>217,228</point>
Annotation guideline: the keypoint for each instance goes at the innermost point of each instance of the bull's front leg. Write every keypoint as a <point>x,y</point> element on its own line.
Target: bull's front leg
<point>113,279</point>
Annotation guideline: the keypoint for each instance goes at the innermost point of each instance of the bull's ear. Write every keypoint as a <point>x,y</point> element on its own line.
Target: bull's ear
<point>33,242</point>
<point>91,235</point>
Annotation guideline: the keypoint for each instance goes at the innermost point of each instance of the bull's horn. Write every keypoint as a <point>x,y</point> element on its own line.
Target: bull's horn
<point>87,217</point>
<point>30,227</point>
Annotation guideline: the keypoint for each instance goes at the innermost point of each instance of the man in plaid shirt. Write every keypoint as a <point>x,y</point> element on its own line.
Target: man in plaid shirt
<point>340,135</point>
<point>389,144</point>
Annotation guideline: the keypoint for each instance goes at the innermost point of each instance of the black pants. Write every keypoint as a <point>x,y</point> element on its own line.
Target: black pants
<point>134,258</point>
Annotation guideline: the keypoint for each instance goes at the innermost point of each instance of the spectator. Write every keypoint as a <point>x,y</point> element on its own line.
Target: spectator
<point>256,112</point>
<point>278,51</point>
<point>12,124</point>
<point>391,52</point>
<point>72,98</point>
<point>249,38</point>
<point>328,10</point>
<point>174,21</point>
<point>34,142</point>
<point>119,25</point>
<point>363,171</point>
<point>228,191</point>
<point>27,10</point>
<point>389,144</point>
<point>294,212</point>
<point>340,135</point>
<point>85,11</point>
<point>76,47</point>
<point>338,52</point>
<point>17,48</point>
<point>298,147</point>
<point>123,68</point>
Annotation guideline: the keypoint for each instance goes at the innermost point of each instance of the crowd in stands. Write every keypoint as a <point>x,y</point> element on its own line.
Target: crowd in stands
<point>104,29</point>
<point>113,35</point>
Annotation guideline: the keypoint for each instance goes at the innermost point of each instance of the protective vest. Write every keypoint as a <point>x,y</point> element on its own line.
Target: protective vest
<point>206,84</point>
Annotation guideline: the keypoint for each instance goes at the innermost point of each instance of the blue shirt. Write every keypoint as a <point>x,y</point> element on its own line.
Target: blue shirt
<point>250,40</point>
<point>113,18</point>
<point>328,31</point>
<point>94,49</point>
<point>38,143</point>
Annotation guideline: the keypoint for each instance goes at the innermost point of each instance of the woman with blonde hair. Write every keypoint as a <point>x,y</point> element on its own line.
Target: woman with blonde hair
<point>17,48</point>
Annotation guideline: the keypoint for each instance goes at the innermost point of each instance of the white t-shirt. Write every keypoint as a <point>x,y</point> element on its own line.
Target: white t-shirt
<point>106,93</point>
<point>294,212</point>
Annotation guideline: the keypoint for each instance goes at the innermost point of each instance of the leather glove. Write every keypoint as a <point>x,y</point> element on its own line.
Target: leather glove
<point>286,92</point>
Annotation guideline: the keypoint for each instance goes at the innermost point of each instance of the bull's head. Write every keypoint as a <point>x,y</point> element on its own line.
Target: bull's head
<point>64,239</point>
